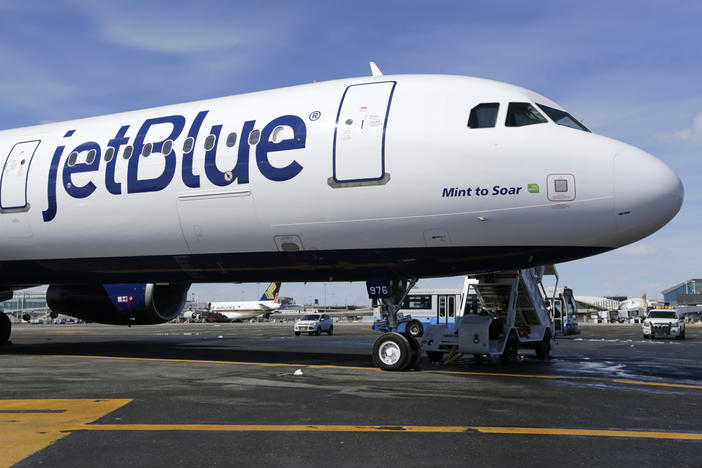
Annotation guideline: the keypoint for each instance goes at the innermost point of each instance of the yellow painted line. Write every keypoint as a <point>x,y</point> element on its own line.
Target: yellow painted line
<point>27,426</point>
<point>234,363</point>
<point>591,432</point>
<point>391,428</point>
<point>573,377</point>
<point>331,366</point>
<point>499,374</point>
<point>657,384</point>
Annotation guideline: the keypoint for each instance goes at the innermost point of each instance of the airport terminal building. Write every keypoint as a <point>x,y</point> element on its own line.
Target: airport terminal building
<point>25,302</point>
<point>686,293</point>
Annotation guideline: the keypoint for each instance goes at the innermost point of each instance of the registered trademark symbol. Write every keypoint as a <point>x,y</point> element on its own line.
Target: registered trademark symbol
<point>315,115</point>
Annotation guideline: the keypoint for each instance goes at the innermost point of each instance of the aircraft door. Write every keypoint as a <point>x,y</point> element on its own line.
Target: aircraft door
<point>13,182</point>
<point>359,137</point>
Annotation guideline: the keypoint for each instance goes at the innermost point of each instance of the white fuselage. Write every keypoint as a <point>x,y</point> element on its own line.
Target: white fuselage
<point>244,310</point>
<point>349,179</point>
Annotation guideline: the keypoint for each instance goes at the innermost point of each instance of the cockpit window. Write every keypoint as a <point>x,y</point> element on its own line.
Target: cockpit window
<point>520,114</point>
<point>562,118</point>
<point>483,115</point>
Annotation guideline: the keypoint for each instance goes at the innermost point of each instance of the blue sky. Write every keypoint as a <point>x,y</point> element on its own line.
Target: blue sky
<point>631,70</point>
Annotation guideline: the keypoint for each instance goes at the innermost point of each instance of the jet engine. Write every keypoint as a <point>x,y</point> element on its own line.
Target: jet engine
<point>119,304</point>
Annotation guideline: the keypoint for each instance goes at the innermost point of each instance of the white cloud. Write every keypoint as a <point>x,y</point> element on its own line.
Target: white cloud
<point>693,134</point>
<point>33,87</point>
<point>171,39</point>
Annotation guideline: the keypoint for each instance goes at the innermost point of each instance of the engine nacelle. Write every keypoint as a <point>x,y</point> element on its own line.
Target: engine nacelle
<point>119,304</point>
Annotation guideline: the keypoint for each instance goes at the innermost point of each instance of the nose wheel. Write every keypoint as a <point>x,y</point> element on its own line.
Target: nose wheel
<point>395,352</point>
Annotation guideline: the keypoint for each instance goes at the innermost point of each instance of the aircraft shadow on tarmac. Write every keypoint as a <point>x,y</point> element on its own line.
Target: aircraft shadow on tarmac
<point>219,351</point>
<point>199,351</point>
<point>186,351</point>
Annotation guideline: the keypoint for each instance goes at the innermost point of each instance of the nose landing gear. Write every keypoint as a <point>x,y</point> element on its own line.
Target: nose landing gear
<point>393,351</point>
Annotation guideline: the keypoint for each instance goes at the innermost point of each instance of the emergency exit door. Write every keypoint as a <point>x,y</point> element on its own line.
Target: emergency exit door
<point>446,311</point>
<point>359,137</point>
<point>13,182</point>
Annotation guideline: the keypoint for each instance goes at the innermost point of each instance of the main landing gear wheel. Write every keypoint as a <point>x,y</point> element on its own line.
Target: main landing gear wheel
<point>392,352</point>
<point>509,355</point>
<point>543,347</point>
<point>5,329</point>
<point>415,328</point>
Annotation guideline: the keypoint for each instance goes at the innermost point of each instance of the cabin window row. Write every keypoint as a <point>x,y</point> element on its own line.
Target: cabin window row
<point>279,134</point>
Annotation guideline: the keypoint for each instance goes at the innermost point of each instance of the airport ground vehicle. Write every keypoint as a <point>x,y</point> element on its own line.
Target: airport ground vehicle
<point>663,323</point>
<point>427,306</point>
<point>512,314</point>
<point>564,311</point>
<point>314,324</point>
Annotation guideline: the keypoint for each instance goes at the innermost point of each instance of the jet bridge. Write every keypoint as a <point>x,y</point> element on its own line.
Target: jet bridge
<point>512,314</point>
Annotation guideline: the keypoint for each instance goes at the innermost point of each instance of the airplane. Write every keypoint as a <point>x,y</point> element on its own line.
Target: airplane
<point>382,178</point>
<point>245,310</point>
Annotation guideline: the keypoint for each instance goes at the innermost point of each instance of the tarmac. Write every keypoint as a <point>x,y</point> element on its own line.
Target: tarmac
<point>228,395</point>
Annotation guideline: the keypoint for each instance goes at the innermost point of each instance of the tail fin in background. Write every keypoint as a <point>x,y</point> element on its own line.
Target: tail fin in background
<point>271,292</point>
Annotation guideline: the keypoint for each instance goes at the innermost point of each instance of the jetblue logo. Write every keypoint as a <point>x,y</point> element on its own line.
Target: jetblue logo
<point>173,126</point>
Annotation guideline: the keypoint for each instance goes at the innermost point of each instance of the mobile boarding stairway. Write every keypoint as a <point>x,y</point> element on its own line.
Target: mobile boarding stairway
<point>512,313</point>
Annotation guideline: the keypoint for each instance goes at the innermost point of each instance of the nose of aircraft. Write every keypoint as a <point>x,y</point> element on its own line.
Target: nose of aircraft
<point>647,194</point>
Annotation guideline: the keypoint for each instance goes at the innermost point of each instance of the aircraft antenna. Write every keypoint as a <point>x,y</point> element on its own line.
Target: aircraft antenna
<point>375,71</point>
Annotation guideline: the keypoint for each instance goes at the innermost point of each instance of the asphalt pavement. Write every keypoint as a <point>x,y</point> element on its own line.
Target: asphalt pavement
<point>232,395</point>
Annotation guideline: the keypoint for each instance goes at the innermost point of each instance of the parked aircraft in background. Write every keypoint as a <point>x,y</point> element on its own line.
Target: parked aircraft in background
<point>381,178</point>
<point>245,310</point>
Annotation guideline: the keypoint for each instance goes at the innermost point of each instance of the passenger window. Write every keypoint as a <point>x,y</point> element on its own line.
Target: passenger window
<point>520,114</point>
<point>254,136</point>
<point>231,139</point>
<point>209,142</point>
<point>483,115</point>
<point>72,158</point>
<point>127,152</point>
<point>281,133</point>
<point>188,144</point>
<point>91,156</point>
<point>109,154</point>
<point>147,149</point>
<point>167,147</point>
<point>560,185</point>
